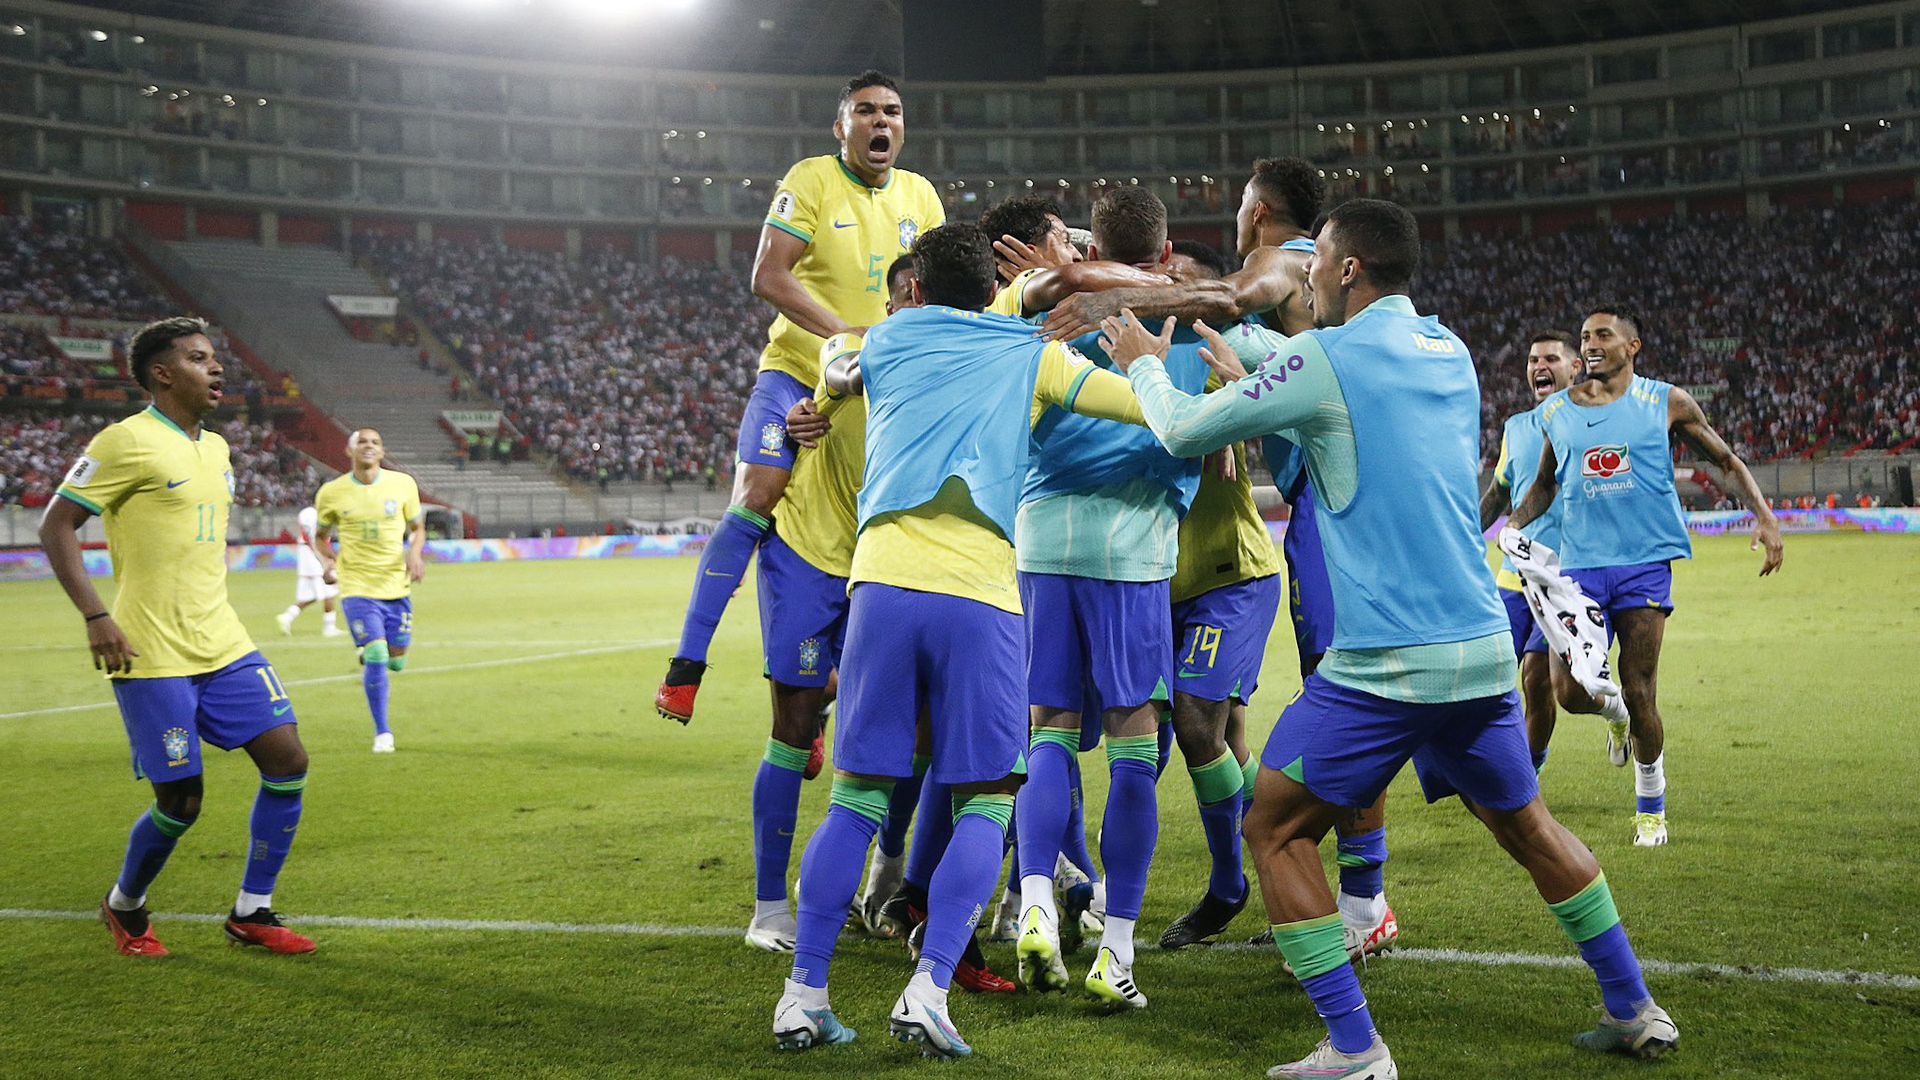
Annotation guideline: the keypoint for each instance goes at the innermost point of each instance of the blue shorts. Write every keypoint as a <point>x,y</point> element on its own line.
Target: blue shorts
<point>803,616</point>
<point>1111,636</point>
<point>380,620</point>
<point>1526,629</point>
<point>958,660</point>
<point>1627,588</point>
<point>1346,745</point>
<point>167,719</point>
<point>763,427</point>
<point>1309,592</point>
<point>1220,639</point>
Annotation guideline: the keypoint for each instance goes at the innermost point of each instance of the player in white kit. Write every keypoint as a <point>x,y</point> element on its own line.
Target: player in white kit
<point>312,584</point>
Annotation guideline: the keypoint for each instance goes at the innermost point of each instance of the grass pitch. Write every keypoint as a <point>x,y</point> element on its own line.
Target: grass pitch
<point>534,783</point>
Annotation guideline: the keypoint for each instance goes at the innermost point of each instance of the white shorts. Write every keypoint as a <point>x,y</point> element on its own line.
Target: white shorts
<point>313,587</point>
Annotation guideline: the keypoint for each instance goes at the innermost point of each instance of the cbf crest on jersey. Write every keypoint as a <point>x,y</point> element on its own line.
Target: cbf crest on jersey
<point>391,506</point>
<point>909,232</point>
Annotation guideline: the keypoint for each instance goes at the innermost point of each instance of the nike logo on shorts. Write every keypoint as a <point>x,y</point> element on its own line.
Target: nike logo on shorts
<point>282,710</point>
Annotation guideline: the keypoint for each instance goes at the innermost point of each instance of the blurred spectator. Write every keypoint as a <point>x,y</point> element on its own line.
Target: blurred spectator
<point>57,273</point>
<point>38,446</point>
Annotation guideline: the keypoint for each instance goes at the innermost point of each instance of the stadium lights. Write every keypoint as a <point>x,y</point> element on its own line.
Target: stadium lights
<point>139,39</point>
<point>706,181</point>
<point>149,91</point>
<point>699,134</point>
<point>1846,127</point>
<point>1536,114</point>
<point>1423,167</point>
<point>671,135</point>
<point>1463,118</point>
<point>1028,183</point>
<point>1064,184</point>
<point>676,179</point>
<point>19,31</point>
<point>262,101</point>
<point>746,183</point>
<point>1319,127</point>
<point>1389,170</point>
<point>97,35</point>
<point>620,11</point>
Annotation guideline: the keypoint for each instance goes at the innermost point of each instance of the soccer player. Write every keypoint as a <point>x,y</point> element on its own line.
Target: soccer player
<point>1552,362</point>
<point>1225,594</point>
<point>837,221</point>
<point>1281,201</point>
<point>953,395</point>
<point>1098,529</point>
<point>182,667</point>
<point>1606,464</point>
<point>374,512</point>
<point>1421,664</point>
<point>803,569</point>
<point>312,583</point>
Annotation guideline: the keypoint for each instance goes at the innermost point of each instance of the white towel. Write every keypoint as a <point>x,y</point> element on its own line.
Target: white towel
<point>1573,625</point>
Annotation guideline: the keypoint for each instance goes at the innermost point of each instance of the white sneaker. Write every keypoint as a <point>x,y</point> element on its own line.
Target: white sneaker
<point>1039,951</point>
<point>1326,1063</point>
<point>796,1027</point>
<point>333,631</point>
<point>383,743</point>
<point>286,623</point>
<point>1649,830</point>
<point>1006,920</point>
<point>1619,743</point>
<point>1649,1034</point>
<point>773,933</point>
<point>920,1018</point>
<point>1113,981</point>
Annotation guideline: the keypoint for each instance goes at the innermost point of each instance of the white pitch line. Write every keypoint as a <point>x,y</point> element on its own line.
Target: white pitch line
<point>474,665</point>
<point>1749,973</point>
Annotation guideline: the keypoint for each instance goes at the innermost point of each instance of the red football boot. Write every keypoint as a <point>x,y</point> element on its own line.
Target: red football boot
<point>674,699</point>
<point>267,930</point>
<point>816,758</point>
<point>129,943</point>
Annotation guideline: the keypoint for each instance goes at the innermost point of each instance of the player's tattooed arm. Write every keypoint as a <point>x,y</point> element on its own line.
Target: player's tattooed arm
<point>60,539</point>
<point>773,281</point>
<point>1686,420</point>
<point>1048,289</point>
<point>1496,500</point>
<point>1546,485</point>
<point>1083,312</point>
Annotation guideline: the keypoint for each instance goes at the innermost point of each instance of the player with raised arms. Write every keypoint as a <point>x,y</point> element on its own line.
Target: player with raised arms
<point>375,514</point>
<point>1552,363</point>
<point>935,626</point>
<point>1421,666</point>
<point>182,668</point>
<point>836,222</point>
<point>1607,467</point>
<point>311,584</point>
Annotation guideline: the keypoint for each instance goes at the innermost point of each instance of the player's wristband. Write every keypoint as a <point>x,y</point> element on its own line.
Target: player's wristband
<point>98,615</point>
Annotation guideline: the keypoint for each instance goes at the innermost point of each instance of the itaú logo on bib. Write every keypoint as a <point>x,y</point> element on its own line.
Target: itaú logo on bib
<point>1606,462</point>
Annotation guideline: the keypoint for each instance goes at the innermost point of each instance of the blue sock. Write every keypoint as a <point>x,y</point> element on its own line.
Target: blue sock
<point>1044,804</point>
<point>935,816</point>
<point>1131,830</point>
<point>900,808</point>
<point>1337,998</point>
<point>1165,735</point>
<point>1651,804</point>
<point>1074,842</point>
<point>374,678</point>
<point>829,876</point>
<point>152,840</point>
<point>776,813</point>
<point>722,566</point>
<point>276,817</point>
<point>961,887</point>
<point>1221,823</point>
<point>1622,986</point>
<point>1539,760</point>
<point>1362,860</point>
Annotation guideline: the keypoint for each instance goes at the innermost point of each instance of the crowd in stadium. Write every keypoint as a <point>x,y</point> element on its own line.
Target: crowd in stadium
<point>608,362</point>
<point>1744,313</point>
<point>38,445</point>
<point>62,273</point>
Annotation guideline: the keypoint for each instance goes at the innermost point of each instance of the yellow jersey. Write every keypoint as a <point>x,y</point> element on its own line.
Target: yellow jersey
<point>947,545</point>
<point>819,515</point>
<point>1223,538</point>
<point>372,521</point>
<point>164,497</point>
<point>1008,301</point>
<point>853,233</point>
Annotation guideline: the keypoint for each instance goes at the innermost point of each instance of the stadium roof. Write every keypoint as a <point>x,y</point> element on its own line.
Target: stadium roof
<point>1083,37</point>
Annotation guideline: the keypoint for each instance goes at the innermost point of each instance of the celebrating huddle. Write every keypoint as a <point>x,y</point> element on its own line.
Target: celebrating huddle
<point>1021,465</point>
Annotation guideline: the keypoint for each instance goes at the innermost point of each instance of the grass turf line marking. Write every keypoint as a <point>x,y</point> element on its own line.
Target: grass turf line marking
<point>505,661</point>
<point>1818,976</point>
